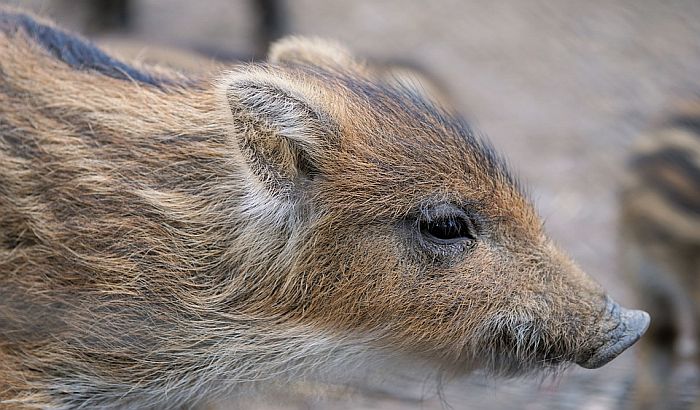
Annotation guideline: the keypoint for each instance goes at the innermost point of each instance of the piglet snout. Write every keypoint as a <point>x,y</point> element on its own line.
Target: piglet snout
<point>626,327</point>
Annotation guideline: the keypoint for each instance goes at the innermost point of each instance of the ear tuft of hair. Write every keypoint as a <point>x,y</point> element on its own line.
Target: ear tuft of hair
<point>312,51</point>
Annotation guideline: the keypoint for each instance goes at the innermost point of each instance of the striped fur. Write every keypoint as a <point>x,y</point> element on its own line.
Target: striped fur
<point>165,241</point>
<point>661,249</point>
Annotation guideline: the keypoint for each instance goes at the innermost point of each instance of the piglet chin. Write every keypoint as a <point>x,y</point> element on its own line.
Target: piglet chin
<point>630,325</point>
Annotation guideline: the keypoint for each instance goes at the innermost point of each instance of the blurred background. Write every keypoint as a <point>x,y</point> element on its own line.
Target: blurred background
<point>562,88</point>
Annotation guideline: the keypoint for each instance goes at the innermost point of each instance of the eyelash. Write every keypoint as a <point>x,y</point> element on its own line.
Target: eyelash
<point>448,229</point>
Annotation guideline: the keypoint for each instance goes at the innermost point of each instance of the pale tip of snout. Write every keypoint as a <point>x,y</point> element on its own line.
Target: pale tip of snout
<point>633,324</point>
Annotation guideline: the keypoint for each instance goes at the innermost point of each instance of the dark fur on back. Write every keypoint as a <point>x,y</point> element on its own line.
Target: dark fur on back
<point>73,50</point>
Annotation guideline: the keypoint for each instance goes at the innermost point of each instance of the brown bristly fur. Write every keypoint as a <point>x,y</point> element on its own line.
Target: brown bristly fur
<point>168,240</point>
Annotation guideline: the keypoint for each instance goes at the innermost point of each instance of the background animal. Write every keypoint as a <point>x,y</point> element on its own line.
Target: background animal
<point>661,253</point>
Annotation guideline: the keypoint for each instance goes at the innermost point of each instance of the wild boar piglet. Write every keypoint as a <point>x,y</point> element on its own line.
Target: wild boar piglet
<point>165,239</point>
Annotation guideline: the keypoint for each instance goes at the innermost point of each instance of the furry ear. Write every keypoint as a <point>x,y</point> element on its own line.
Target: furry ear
<point>312,51</point>
<point>414,79</point>
<point>281,132</point>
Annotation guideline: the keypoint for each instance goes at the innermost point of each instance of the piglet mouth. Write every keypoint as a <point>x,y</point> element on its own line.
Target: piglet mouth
<point>625,327</point>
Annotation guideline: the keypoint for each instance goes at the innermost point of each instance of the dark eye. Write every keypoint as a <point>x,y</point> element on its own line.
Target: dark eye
<point>448,229</point>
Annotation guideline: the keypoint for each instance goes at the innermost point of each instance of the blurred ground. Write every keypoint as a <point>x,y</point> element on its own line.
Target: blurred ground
<point>561,88</point>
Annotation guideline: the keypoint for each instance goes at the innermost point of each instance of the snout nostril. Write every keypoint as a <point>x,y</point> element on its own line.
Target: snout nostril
<point>631,326</point>
<point>637,321</point>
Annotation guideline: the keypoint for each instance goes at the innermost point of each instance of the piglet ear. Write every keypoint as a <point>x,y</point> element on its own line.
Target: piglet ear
<point>311,51</point>
<point>280,129</point>
<point>416,80</point>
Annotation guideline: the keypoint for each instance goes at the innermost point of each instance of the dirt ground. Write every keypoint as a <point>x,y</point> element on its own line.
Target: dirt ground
<point>562,88</point>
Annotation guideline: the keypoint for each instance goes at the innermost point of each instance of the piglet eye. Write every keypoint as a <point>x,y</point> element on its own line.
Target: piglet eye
<point>447,229</point>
